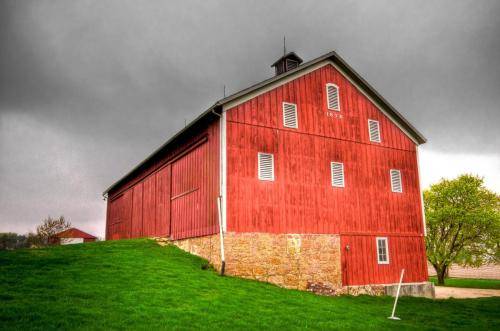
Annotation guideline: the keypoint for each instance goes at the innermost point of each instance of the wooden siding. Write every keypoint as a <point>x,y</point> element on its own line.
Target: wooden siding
<point>308,92</point>
<point>119,216</point>
<point>146,204</point>
<point>136,227</point>
<point>149,205</point>
<point>360,266</point>
<point>190,200</point>
<point>301,199</point>
<point>163,196</point>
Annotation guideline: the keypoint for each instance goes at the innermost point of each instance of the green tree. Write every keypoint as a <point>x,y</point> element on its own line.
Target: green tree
<point>10,240</point>
<point>34,241</point>
<point>49,227</point>
<point>463,224</point>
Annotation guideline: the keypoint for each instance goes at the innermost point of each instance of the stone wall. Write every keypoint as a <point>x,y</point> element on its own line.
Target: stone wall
<point>296,261</point>
<point>206,247</point>
<point>309,262</point>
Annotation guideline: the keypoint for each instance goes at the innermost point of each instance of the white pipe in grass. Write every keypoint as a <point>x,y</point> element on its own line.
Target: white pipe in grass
<point>392,317</point>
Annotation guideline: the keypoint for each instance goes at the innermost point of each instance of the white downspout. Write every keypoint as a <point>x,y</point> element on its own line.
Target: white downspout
<point>221,238</point>
<point>221,201</point>
<point>421,192</point>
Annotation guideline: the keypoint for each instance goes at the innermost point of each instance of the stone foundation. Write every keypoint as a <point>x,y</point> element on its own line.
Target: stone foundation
<point>309,262</point>
<point>425,289</point>
<point>322,289</point>
<point>287,260</point>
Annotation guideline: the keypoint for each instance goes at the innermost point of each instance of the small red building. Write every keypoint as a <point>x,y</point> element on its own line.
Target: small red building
<point>71,236</point>
<point>317,176</point>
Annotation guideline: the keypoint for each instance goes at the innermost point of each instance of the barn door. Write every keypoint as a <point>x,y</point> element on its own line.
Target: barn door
<point>163,201</point>
<point>189,194</point>
<point>346,251</point>
<point>357,258</point>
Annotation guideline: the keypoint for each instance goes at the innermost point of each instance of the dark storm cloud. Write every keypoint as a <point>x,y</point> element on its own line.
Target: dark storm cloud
<point>89,88</point>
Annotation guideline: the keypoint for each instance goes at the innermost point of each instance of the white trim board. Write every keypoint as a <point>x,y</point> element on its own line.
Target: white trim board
<point>417,151</point>
<point>223,168</point>
<point>300,73</point>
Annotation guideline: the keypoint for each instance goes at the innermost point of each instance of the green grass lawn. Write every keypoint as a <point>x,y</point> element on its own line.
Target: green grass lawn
<point>137,284</point>
<point>469,283</point>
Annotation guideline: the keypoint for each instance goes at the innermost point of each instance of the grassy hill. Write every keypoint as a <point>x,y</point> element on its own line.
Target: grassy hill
<point>137,284</point>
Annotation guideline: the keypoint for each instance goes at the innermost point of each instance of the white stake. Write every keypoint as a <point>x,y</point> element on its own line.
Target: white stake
<point>392,317</point>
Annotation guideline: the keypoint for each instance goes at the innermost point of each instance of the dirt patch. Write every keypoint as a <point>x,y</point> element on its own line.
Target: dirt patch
<point>443,292</point>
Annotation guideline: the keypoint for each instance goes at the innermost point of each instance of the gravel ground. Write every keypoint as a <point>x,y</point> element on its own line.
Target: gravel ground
<point>443,292</point>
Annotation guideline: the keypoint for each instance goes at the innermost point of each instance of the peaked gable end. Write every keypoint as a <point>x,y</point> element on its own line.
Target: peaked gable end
<point>308,90</point>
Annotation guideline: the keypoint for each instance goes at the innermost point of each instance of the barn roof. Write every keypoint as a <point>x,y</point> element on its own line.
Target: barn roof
<point>74,233</point>
<point>216,108</point>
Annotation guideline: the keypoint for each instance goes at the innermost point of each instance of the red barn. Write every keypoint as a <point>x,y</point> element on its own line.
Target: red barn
<point>71,236</point>
<point>317,176</point>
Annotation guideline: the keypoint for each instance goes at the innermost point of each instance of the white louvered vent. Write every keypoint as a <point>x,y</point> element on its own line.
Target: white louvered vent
<point>332,93</point>
<point>396,185</point>
<point>266,166</point>
<point>374,131</point>
<point>290,115</point>
<point>337,169</point>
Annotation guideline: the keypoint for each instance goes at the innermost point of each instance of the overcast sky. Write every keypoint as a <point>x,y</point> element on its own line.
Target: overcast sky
<point>89,88</point>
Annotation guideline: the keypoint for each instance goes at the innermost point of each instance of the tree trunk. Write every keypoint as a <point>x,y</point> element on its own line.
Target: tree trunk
<point>441,274</point>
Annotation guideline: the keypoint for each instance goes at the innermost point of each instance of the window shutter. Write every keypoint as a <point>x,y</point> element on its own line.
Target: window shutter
<point>266,166</point>
<point>396,184</point>
<point>290,115</point>
<point>337,169</point>
<point>332,93</point>
<point>374,131</point>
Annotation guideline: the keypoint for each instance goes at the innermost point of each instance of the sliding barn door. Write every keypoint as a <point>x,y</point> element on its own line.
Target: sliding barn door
<point>189,213</point>
<point>163,201</point>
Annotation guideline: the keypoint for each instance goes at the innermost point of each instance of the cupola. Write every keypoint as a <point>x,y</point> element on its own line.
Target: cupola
<point>286,63</point>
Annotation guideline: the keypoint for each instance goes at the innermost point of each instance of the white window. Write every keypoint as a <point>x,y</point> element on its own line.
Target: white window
<point>332,95</point>
<point>290,115</point>
<point>337,170</point>
<point>266,166</point>
<point>396,185</point>
<point>382,250</point>
<point>374,130</point>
